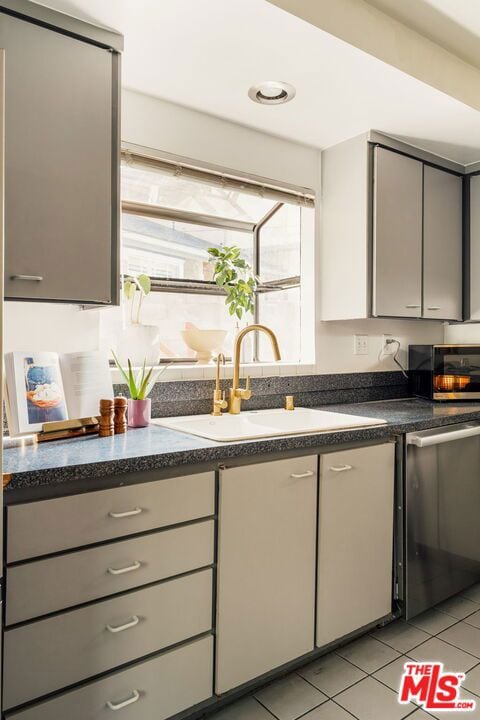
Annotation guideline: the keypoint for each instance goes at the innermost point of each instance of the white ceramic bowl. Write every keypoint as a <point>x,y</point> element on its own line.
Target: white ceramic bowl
<point>204,342</point>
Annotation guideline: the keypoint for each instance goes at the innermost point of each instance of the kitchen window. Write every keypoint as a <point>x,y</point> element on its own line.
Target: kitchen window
<point>172,213</point>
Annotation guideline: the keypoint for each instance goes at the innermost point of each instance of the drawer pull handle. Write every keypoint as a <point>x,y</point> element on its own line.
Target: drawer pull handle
<point>412,307</point>
<point>298,476</point>
<point>341,468</point>
<point>129,568</point>
<point>120,628</point>
<point>434,307</point>
<point>129,701</point>
<point>126,513</point>
<point>32,278</point>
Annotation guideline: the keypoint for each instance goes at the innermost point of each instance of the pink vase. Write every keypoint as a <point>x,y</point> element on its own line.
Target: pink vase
<point>139,412</point>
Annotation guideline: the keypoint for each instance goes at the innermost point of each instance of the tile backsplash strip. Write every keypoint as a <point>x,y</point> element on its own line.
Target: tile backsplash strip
<point>194,397</point>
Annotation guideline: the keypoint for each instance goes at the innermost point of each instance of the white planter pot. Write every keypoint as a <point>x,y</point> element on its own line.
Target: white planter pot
<point>139,342</point>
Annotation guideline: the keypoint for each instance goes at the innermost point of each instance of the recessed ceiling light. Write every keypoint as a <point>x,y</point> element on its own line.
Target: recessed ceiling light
<point>271,92</point>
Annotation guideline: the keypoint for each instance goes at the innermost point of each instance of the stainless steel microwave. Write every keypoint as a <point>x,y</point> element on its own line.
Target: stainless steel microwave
<point>444,372</point>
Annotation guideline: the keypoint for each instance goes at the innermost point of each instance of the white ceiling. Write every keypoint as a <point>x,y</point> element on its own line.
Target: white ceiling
<point>206,54</point>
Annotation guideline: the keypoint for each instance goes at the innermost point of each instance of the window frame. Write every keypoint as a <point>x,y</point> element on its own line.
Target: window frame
<point>152,159</point>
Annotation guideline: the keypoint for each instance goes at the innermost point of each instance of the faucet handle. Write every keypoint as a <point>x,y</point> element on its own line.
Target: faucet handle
<point>247,393</point>
<point>219,403</point>
<point>244,393</point>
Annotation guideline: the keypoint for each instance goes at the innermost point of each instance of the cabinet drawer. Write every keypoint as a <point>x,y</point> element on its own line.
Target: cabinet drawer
<point>166,685</point>
<point>44,586</point>
<point>50,654</point>
<point>49,526</point>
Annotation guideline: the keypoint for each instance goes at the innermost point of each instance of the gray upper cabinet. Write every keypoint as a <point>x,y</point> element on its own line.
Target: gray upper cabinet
<point>61,161</point>
<point>442,245</point>
<point>397,235</point>
<point>392,232</point>
<point>472,294</point>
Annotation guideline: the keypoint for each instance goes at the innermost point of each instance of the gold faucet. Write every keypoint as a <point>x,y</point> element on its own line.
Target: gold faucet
<point>237,394</point>
<point>219,402</point>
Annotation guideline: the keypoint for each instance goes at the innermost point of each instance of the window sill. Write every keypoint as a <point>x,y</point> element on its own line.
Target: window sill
<point>207,372</point>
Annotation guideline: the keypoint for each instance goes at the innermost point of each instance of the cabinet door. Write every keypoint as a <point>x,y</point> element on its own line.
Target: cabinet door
<point>473,261</point>
<point>397,235</point>
<point>355,540</point>
<point>60,166</point>
<point>266,568</point>
<point>442,240</point>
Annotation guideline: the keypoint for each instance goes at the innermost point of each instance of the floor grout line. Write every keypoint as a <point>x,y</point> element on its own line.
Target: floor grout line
<point>264,706</point>
<point>298,717</point>
<point>347,711</point>
<point>402,652</point>
<point>457,648</point>
<point>402,655</point>
<point>330,697</point>
<point>357,682</point>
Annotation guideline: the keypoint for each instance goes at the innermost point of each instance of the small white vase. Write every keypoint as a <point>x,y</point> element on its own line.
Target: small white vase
<point>139,343</point>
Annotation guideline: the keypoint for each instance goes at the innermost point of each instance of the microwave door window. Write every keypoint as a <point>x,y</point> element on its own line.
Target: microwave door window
<point>457,371</point>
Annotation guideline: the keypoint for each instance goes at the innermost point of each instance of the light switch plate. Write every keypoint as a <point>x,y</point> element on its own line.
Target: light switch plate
<point>360,344</point>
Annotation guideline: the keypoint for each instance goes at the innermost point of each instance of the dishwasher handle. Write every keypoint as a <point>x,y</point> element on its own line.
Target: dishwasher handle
<point>422,441</point>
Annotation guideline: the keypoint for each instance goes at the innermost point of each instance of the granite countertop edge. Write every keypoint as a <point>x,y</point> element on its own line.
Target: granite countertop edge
<point>167,449</point>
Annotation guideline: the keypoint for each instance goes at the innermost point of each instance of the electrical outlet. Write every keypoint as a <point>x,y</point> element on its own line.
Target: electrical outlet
<point>388,348</point>
<point>360,344</point>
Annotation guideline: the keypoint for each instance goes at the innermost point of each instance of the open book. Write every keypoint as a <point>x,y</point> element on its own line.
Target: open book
<point>44,387</point>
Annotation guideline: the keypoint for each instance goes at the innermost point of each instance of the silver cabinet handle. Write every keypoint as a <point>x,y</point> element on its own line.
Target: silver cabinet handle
<point>434,307</point>
<point>120,628</point>
<point>129,568</point>
<point>32,278</point>
<point>298,476</point>
<point>341,468</point>
<point>129,701</point>
<point>412,307</point>
<point>126,513</point>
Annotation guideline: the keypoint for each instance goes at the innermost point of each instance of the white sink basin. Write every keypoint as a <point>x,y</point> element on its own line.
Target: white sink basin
<point>252,424</point>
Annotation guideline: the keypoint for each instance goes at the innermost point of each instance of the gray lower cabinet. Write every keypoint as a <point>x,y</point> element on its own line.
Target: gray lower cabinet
<point>61,164</point>
<point>355,540</point>
<point>44,586</point>
<point>49,526</point>
<point>152,690</point>
<point>266,568</point>
<point>442,244</point>
<point>397,235</point>
<point>59,651</point>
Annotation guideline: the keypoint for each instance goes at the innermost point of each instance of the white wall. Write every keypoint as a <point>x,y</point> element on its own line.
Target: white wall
<point>181,131</point>
<point>174,129</point>
<point>47,326</point>
<point>467,333</point>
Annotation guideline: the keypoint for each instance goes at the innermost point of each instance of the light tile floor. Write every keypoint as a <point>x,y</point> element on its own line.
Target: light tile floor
<point>359,681</point>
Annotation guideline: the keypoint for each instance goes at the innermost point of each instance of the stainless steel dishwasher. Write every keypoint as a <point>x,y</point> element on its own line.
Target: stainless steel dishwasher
<point>442,501</point>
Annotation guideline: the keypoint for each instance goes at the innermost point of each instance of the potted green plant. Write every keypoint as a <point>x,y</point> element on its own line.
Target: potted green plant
<point>232,273</point>
<point>135,289</point>
<point>142,341</point>
<point>139,405</point>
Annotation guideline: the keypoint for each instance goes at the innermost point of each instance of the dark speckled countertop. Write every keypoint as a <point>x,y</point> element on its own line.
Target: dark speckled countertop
<point>70,462</point>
